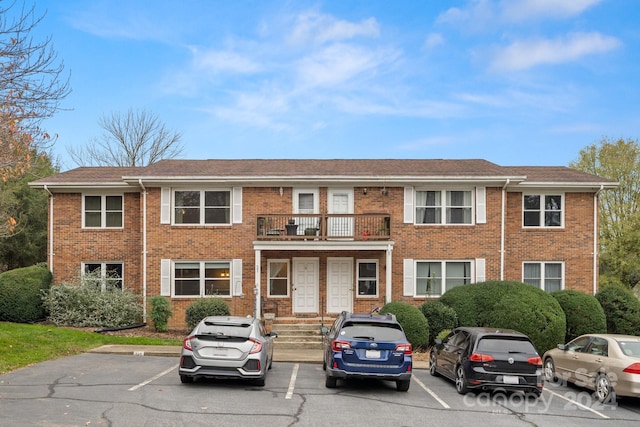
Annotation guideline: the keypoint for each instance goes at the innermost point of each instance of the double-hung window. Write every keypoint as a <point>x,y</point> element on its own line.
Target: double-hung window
<point>200,207</point>
<point>542,210</point>
<point>444,207</point>
<point>105,275</point>
<point>102,211</point>
<point>544,275</point>
<point>278,278</point>
<point>434,278</point>
<point>367,278</point>
<point>202,278</point>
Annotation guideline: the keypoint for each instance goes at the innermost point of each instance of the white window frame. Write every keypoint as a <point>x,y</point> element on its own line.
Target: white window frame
<point>103,272</point>
<point>358,278</point>
<point>103,211</point>
<point>443,268</point>
<point>288,263</point>
<point>543,277</point>
<point>444,207</point>
<point>201,278</point>
<point>201,207</point>
<point>543,210</point>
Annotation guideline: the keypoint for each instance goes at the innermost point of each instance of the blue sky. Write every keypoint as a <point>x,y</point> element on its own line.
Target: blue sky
<point>516,82</point>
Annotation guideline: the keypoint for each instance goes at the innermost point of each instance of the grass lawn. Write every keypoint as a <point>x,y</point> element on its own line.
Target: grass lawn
<point>24,344</point>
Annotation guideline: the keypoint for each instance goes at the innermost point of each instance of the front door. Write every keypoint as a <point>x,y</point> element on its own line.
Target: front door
<point>340,202</point>
<point>339,285</point>
<point>305,285</point>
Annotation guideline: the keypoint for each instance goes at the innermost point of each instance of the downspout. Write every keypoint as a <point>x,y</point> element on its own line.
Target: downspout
<point>144,251</point>
<point>50,228</point>
<point>256,291</point>
<point>595,239</point>
<point>502,228</point>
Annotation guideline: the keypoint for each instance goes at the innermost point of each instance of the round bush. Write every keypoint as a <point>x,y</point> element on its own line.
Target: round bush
<point>510,305</point>
<point>205,307</point>
<point>583,313</point>
<point>415,325</point>
<point>160,313</point>
<point>621,309</point>
<point>21,292</point>
<point>439,316</point>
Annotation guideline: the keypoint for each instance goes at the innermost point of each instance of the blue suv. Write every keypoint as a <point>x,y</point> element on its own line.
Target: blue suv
<point>371,346</point>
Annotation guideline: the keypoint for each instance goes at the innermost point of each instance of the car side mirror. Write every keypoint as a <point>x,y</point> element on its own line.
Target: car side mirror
<point>438,341</point>
<point>562,347</point>
<point>273,334</point>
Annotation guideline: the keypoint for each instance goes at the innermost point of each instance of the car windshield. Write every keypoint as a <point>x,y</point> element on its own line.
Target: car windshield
<point>505,345</point>
<point>372,332</point>
<point>630,348</point>
<point>228,330</point>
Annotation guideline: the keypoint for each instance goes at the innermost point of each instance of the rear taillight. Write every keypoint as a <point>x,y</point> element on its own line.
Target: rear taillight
<point>632,369</point>
<point>338,345</point>
<point>479,357</point>
<point>406,348</point>
<point>257,346</point>
<point>535,361</point>
<point>187,343</point>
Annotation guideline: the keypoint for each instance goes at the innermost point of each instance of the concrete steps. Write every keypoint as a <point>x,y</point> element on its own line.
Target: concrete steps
<point>307,336</point>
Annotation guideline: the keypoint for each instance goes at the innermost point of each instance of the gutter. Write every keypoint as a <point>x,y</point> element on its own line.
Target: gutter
<point>50,228</point>
<point>144,251</point>
<point>502,228</point>
<point>595,239</point>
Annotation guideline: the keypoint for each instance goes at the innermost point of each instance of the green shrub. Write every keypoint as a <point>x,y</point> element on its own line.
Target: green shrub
<point>160,313</point>
<point>510,305</point>
<point>415,325</point>
<point>205,307</point>
<point>583,313</point>
<point>21,294</point>
<point>621,309</point>
<point>439,317</point>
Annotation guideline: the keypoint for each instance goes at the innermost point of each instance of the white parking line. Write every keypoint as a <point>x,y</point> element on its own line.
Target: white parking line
<point>142,384</point>
<point>292,382</point>
<point>428,390</point>
<point>578,404</point>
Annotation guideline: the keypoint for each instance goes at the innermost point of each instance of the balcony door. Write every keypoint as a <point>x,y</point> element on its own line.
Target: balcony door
<point>305,201</point>
<point>340,202</point>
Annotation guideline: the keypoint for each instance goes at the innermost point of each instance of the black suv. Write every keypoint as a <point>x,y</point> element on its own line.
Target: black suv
<point>487,359</point>
<point>367,346</point>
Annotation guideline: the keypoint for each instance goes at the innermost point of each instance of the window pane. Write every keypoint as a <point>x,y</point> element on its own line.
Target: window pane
<point>367,278</point>
<point>305,202</point>
<point>114,219</point>
<point>187,287</point>
<point>278,269</point>
<point>532,202</point>
<point>532,274</point>
<point>186,270</point>
<point>217,215</point>
<point>217,287</point>
<point>552,277</point>
<point>187,215</point>
<point>429,278</point>
<point>92,219</point>
<point>217,198</point>
<point>216,270</point>
<point>93,203</point>
<point>187,198</point>
<point>458,273</point>
<point>278,287</point>
<point>552,219</point>
<point>553,203</point>
<point>278,278</point>
<point>114,203</point>
<point>532,219</point>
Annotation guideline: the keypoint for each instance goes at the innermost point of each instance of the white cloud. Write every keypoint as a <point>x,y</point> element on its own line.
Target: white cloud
<point>524,54</point>
<point>433,40</point>
<point>527,9</point>
<point>219,60</point>
<point>322,28</point>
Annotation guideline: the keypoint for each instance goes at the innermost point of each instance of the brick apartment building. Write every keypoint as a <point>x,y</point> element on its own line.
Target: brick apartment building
<point>308,238</point>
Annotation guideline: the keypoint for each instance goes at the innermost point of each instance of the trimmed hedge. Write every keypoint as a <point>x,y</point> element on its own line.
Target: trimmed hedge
<point>583,312</point>
<point>21,292</point>
<point>415,325</point>
<point>510,305</point>
<point>439,316</point>
<point>621,309</point>
<point>205,307</point>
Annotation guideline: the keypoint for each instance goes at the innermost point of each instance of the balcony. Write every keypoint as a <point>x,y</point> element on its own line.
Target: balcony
<point>323,227</point>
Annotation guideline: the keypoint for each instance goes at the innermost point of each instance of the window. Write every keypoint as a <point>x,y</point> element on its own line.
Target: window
<point>367,278</point>
<point>542,210</point>
<point>103,211</point>
<point>444,207</point>
<point>202,207</point>
<point>278,271</point>
<point>103,274</point>
<point>202,278</point>
<point>544,275</point>
<point>434,278</point>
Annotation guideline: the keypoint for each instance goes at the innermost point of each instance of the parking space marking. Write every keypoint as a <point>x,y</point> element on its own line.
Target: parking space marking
<point>432,393</point>
<point>292,382</point>
<point>578,404</point>
<point>144,383</point>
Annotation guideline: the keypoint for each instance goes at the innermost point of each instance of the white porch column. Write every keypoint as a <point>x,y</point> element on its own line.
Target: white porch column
<point>388,275</point>
<point>256,290</point>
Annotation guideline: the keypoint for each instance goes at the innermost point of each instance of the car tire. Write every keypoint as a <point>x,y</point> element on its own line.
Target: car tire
<point>330,382</point>
<point>432,365</point>
<point>403,385</point>
<point>186,379</point>
<point>550,370</point>
<point>461,381</point>
<point>603,389</point>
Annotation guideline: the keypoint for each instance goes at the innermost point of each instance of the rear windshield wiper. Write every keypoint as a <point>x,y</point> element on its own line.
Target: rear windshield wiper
<point>365,338</point>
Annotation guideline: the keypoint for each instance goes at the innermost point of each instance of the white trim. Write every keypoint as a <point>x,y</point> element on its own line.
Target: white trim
<point>408,275</point>
<point>542,211</point>
<point>269,262</point>
<point>377,278</point>
<point>165,205</point>
<point>481,275</point>
<point>202,207</point>
<point>236,277</point>
<point>316,199</point>
<point>481,205</point>
<point>236,205</point>
<point>165,278</point>
<point>443,283</point>
<point>542,264</point>
<point>408,205</point>
<point>103,210</point>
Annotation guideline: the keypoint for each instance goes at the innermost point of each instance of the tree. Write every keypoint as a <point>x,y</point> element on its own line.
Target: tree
<point>137,138</point>
<point>618,216</point>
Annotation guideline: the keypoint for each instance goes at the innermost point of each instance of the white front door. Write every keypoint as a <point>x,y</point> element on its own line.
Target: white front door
<point>340,202</point>
<point>305,285</point>
<point>339,285</point>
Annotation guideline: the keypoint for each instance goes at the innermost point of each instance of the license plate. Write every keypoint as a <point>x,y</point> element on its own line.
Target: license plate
<point>509,379</point>
<point>372,354</point>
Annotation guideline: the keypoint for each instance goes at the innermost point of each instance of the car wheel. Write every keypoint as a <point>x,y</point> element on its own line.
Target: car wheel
<point>185,379</point>
<point>330,382</point>
<point>432,364</point>
<point>604,390</point>
<point>403,385</point>
<point>461,381</point>
<point>550,370</point>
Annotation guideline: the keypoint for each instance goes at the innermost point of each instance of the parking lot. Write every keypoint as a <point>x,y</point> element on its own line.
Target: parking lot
<point>117,390</point>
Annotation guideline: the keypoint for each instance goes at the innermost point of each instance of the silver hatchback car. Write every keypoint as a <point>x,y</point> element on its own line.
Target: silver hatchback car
<point>227,347</point>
